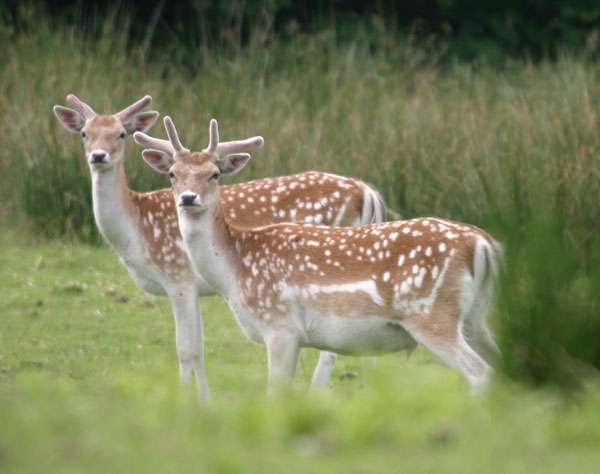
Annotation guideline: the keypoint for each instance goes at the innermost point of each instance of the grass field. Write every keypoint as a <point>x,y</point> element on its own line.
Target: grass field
<point>88,383</point>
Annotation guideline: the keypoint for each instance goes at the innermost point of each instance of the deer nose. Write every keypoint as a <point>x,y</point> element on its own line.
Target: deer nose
<point>187,199</point>
<point>98,156</point>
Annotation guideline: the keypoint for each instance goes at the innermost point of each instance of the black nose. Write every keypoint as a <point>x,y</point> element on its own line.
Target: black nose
<point>188,199</point>
<point>98,157</point>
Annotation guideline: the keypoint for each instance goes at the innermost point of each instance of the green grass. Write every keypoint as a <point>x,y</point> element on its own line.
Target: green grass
<point>88,383</point>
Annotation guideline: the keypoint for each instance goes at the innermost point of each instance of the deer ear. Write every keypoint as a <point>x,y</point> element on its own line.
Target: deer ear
<point>233,163</point>
<point>158,160</point>
<point>72,120</point>
<point>141,122</point>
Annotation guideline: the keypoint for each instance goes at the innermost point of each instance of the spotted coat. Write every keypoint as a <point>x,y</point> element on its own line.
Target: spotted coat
<point>354,290</point>
<point>395,268</point>
<point>310,197</point>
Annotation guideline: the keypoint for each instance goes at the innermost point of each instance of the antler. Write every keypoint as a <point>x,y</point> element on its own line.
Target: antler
<point>213,136</point>
<point>127,112</point>
<point>156,143</point>
<point>227,148</point>
<point>81,106</point>
<point>173,145</point>
<point>173,135</point>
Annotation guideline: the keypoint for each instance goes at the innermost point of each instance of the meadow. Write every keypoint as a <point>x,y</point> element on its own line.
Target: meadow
<point>88,382</point>
<point>87,361</point>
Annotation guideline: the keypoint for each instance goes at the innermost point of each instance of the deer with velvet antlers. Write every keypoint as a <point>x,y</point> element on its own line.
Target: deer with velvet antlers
<point>351,290</point>
<point>143,227</point>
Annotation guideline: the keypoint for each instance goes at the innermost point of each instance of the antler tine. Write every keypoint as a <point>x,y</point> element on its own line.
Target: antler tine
<point>150,142</point>
<point>173,136</point>
<point>81,106</point>
<point>236,146</point>
<point>227,148</point>
<point>134,108</point>
<point>213,136</point>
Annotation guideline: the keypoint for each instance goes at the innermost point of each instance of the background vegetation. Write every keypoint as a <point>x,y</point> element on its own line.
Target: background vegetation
<point>464,29</point>
<point>508,140</point>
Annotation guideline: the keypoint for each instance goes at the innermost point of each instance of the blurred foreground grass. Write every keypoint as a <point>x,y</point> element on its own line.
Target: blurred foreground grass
<point>88,383</point>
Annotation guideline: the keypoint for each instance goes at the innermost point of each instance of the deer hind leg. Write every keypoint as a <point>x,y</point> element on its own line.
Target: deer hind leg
<point>282,355</point>
<point>323,369</point>
<point>189,338</point>
<point>475,369</point>
<point>486,336</point>
<point>476,295</point>
<point>444,338</point>
<point>476,329</point>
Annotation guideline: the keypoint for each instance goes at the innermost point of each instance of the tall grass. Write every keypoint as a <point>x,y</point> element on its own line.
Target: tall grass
<point>516,150</point>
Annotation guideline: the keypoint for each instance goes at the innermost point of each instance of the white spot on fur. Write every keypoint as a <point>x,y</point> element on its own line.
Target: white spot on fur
<point>419,278</point>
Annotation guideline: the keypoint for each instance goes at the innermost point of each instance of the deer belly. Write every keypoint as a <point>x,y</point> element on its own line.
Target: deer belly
<point>357,335</point>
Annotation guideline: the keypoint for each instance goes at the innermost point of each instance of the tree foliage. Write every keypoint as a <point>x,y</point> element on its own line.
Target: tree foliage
<point>467,28</point>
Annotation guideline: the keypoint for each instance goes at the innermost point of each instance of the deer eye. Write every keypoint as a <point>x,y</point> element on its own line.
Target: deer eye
<point>83,134</point>
<point>214,176</point>
<point>122,135</point>
<point>171,175</point>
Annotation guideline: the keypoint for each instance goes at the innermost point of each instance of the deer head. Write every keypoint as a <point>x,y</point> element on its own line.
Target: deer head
<point>195,175</point>
<point>104,135</point>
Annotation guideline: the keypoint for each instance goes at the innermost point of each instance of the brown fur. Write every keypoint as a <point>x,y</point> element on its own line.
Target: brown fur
<point>165,246</point>
<point>305,256</point>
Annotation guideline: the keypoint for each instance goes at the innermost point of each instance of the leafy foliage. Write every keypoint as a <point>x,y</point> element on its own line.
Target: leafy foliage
<point>494,29</point>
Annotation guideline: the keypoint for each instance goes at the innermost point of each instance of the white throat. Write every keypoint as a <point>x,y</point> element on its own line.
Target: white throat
<point>110,196</point>
<point>209,258</point>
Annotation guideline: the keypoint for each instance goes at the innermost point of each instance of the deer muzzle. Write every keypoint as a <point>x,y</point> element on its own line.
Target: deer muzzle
<point>99,156</point>
<point>190,200</point>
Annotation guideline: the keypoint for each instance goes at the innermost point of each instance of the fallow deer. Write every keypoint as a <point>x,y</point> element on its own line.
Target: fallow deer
<point>350,290</point>
<point>143,227</point>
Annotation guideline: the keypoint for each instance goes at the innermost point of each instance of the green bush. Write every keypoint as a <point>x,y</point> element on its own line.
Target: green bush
<point>548,305</point>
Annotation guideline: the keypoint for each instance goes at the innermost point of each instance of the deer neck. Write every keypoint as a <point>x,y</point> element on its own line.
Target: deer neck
<point>211,246</point>
<point>113,207</point>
